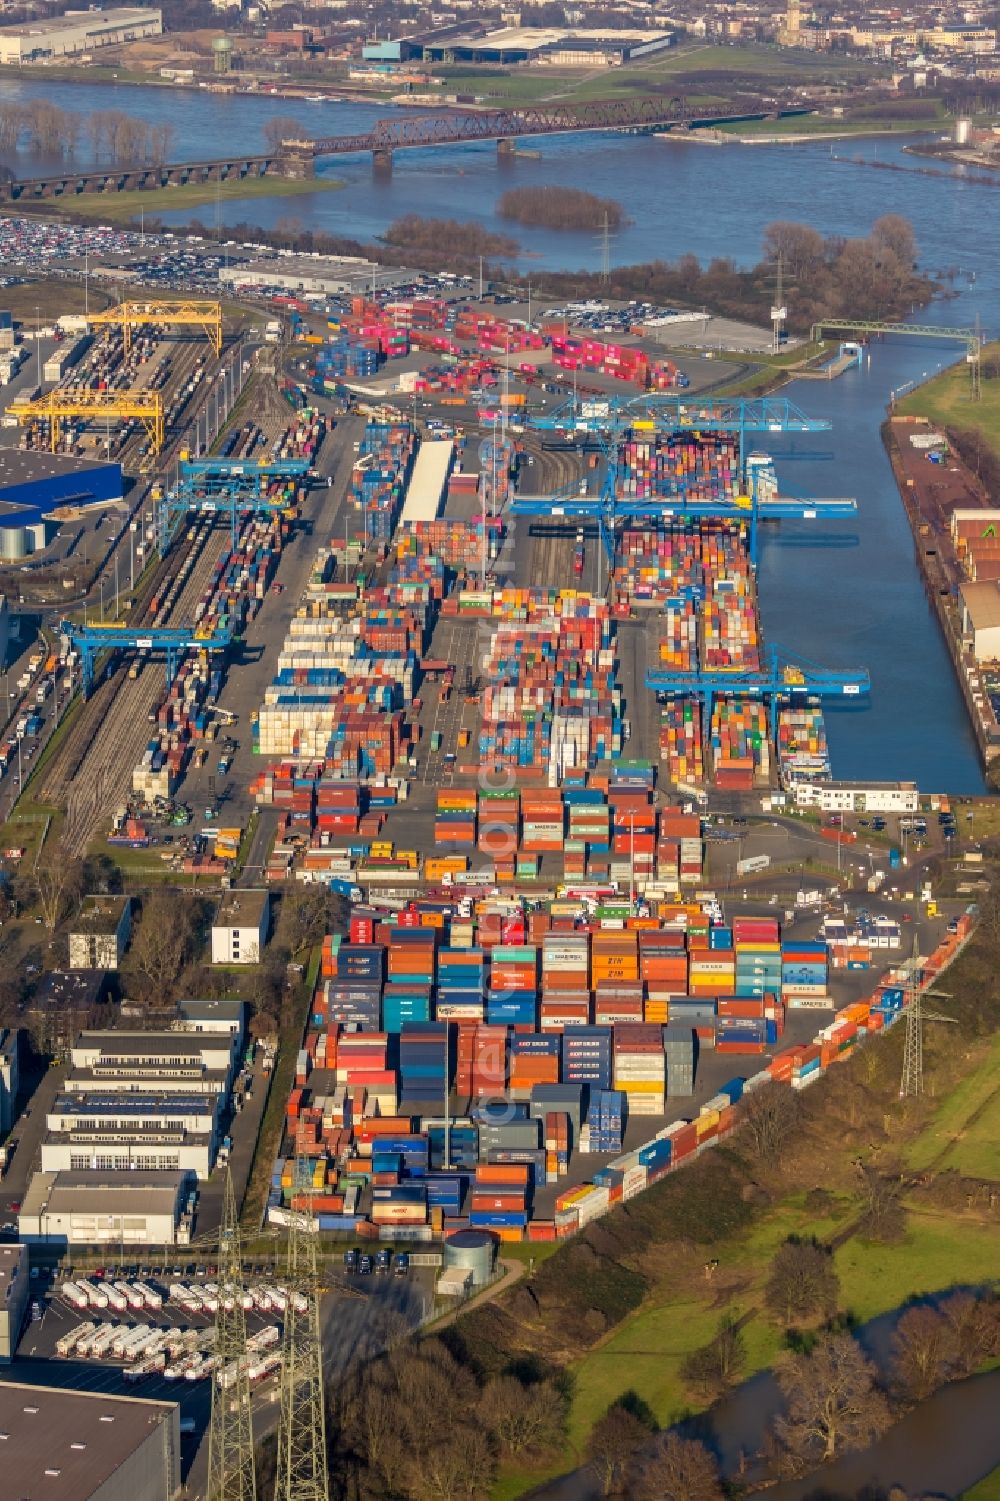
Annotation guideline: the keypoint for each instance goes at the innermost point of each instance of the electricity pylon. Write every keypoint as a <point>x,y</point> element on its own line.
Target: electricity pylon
<point>232,1473</point>
<point>912,1083</point>
<point>302,1468</point>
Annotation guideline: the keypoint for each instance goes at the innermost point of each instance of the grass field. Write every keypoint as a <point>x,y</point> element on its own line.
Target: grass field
<point>645,1354</point>
<point>185,196</point>
<point>52,299</point>
<point>965,1132</point>
<point>946,400</point>
<point>986,1490</point>
<point>821,126</point>
<point>523,84</point>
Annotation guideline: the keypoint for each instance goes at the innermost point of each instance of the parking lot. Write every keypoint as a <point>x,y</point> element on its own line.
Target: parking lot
<point>356,1324</point>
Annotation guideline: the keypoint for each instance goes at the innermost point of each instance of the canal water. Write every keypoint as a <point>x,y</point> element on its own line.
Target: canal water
<point>842,593</point>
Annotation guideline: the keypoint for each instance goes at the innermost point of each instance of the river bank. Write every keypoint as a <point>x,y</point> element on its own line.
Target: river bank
<point>947,1243</point>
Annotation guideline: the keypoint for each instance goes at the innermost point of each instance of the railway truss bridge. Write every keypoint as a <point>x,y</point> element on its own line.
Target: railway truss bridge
<point>297,158</point>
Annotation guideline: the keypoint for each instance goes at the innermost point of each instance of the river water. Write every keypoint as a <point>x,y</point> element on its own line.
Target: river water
<point>842,594</point>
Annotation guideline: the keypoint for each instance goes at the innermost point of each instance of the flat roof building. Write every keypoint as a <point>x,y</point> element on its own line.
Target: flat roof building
<point>858,797</point>
<point>212,1016</point>
<point>87,1446</point>
<point>100,933</point>
<point>102,1208</point>
<point>981,619</point>
<point>76,32</point>
<point>240,927</point>
<point>13,1298</point>
<point>10,1076</point>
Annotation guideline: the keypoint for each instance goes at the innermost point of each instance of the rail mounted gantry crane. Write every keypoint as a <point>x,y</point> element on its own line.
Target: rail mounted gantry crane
<point>228,486</point>
<point>56,406</point>
<point>184,312</point>
<point>611,422</point>
<point>90,641</point>
<point>784,677</point>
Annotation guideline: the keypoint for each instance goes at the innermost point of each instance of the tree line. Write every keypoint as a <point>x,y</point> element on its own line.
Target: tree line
<point>553,207</point>
<point>111,134</point>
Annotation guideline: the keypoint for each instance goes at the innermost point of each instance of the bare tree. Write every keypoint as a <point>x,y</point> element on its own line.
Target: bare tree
<point>919,1353</point>
<point>57,883</point>
<point>896,233</point>
<point>715,1366</point>
<point>768,1116</point>
<point>166,940</point>
<point>161,140</point>
<point>305,916</point>
<point>973,1331</point>
<point>803,1283</point>
<point>832,1404</point>
<point>614,1441</point>
<point>523,1419</point>
<point>677,1469</point>
<point>282,128</point>
<point>883,1213</point>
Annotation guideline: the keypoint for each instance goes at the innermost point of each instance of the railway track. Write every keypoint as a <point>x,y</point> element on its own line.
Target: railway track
<point>91,774</point>
<point>103,778</point>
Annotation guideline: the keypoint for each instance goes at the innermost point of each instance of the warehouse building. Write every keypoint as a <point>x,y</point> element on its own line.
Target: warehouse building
<point>100,934</point>
<point>14,1286</point>
<point>240,927</point>
<point>77,32</point>
<point>87,1446</point>
<point>103,1208</point>
<point>34,484</point>
<point>981,620</point>
<point>325,275</point>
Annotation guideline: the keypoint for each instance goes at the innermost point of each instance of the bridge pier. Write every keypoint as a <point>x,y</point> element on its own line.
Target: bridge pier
<point>506,147</point>
<point>382,159</point>
<point>295,165</point>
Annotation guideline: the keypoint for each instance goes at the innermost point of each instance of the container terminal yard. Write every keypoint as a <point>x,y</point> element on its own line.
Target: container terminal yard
<point>478,651</point>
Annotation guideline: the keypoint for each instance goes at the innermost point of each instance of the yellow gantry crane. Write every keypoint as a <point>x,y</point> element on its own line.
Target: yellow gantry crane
<point>185,312</point>
<point>56,406</point>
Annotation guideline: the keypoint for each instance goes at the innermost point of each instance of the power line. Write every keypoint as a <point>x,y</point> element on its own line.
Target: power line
<point>912,1083</point>
<point>232,1474</point>
<point>302,1464</point>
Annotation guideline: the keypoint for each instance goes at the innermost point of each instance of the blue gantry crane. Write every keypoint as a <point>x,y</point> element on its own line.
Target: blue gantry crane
<point>228,486</point>
<point>784,677</point>
<point>610,422</point>
<point>91,640</point>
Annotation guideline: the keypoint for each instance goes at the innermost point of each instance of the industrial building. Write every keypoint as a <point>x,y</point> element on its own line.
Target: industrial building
<point>147,1102</point>
<point>14,1286</point>
<point>326,275</point>
<point>100,933</point>
<point>88,1446</point>
<point>851,797</point>
<point>981,619</point>
<point>554,45</point>
<point>148,1133</point>
<point>142,1061</point>
<point>240,927</point>
<point>9,1077</point>
<point>33,484</point>
<point>77,32</point>
<point>103,1208</point>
